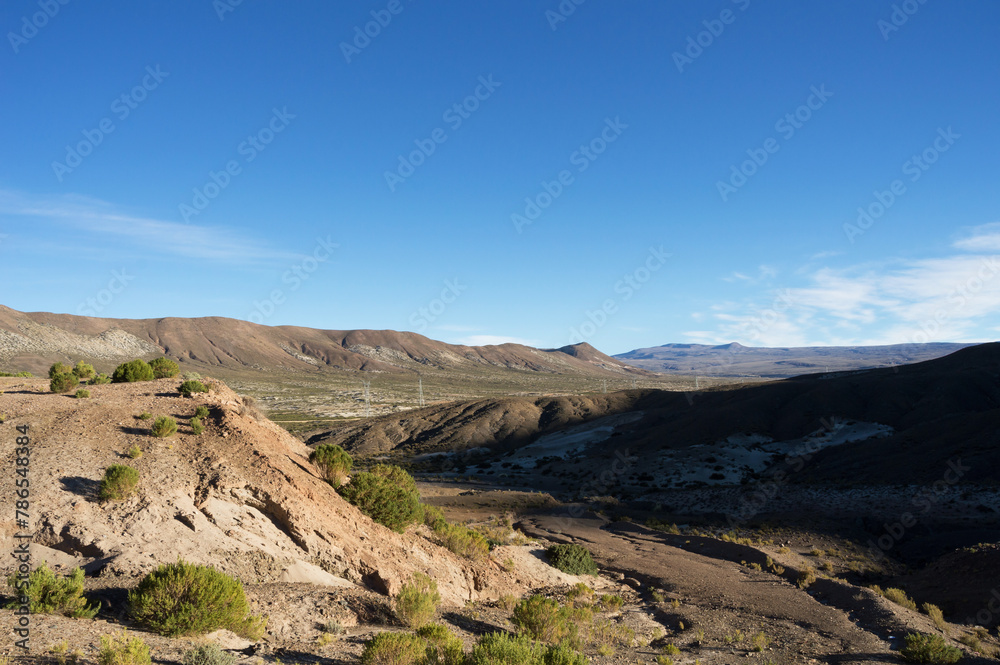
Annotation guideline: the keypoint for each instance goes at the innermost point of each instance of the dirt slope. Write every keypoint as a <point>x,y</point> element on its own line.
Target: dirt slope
<point>242,496</point>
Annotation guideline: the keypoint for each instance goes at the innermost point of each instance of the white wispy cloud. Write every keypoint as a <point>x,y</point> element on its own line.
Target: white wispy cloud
<point>948,298</point>
<point>106,223</point>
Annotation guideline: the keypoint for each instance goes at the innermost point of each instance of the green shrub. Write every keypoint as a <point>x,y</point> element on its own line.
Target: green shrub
<point>164,426</point>
<point>187,599</point>
<point>63,383</point>
<point>541,618</point>
<point>507,649</point>
<point>463,541</point>
<point>572,559</point>
<point>434,517</point>
<point>164,368</point>
<point>189,388</point>
<point>82,394</point>
<point>201,412</point>
<point>899,597</point>
<point>563,655</point>
<point>923,648</point>
<point>121,649</point>
<point>196,426</point>
<point>135,452</point>
<point>937,616</point>
<point>50,594</point>
<point>83,371</point>
<point>59,368</point>
<point>610,602</point>
<point>132,371</point>
<point>387,494</point>
<point>100,379</point>
<point>145,415</point>
<point>395,649</point>
<point>118,483</point>
<point>806,577</point>
<point>417,601</point>
<point>443,646</point>
<point>333,462</point>
<point>208,654</point>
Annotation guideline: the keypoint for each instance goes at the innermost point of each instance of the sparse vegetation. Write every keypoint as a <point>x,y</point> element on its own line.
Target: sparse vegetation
<point>897,596</point>
<point>145,415</point>
<point>759,641</point>
<point>121,649</point>
<point>507,649</point>
<point>542,619</point>
<point>443,646</point>
<point>63,383</point>
<point>100,379</point>
<point>164,368</point>
<point>83,371</point>
<point>208,654</point>
<point>610,602</point>
<point>463,541</point>
<point>196,426</point>
<point>118,483</point>
<point>201,412</point>
<point>132,371</point>
<point>333,627</point>
<point>671,650</point>
<point>806,577</point>
<point>82,394</point>
<point>135,452</point>
<point>333,462</point>
<point>164,426</point>
<point>395,649</point>
<point>572,559</point>
<point>49,593</point>
<point>923,648</point>
<point>188,599</point>
<point>188,388</point>
<point>387,494</point>
<point>937,616</point>
<point>59,368</point>
<point>417,601</point>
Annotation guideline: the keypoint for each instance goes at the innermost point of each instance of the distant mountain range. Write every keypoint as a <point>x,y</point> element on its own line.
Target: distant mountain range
<point>33,341</point>
<point>738,360</point>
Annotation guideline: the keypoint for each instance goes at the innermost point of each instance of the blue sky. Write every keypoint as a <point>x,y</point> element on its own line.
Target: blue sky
<point>627,174</point>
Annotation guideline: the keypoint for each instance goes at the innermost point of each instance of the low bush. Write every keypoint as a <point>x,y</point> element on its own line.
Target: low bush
<point>48,593</point>
<point>443,646</point>
<point>188,599</point>
<point>82,394</point>
<point>507,649</point>
<point>387,494</point>
<point>806,577</point>
<point>923,648</point>
<point>63,383</point>
<point>937,616</point>
<point>543,619</point>
<point>899,597</point>
<point>189,388</point>
<point>201,412</point>
<point>395,649</point>
<point>563,655</point>
<point>132,371</point>
<point>100,379</point>
<point>59,368</point>
<point>164,426</point>
<point>463,541</point>
<point>196,426</point>
<point>164,368</point>
<point>135,452</point>
<point>333,462</point>
<point>145,415</point>
<point>416,604</point>
<point>83,371</point>
<point>434,517</point>
<point>208,654</point>
<point>118,483</point>
<point>121,649</point>
<point>572,559</point>
<point>611,602</point>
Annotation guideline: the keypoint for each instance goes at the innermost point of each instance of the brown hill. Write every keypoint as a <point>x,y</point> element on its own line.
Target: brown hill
<point>34,340</point>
